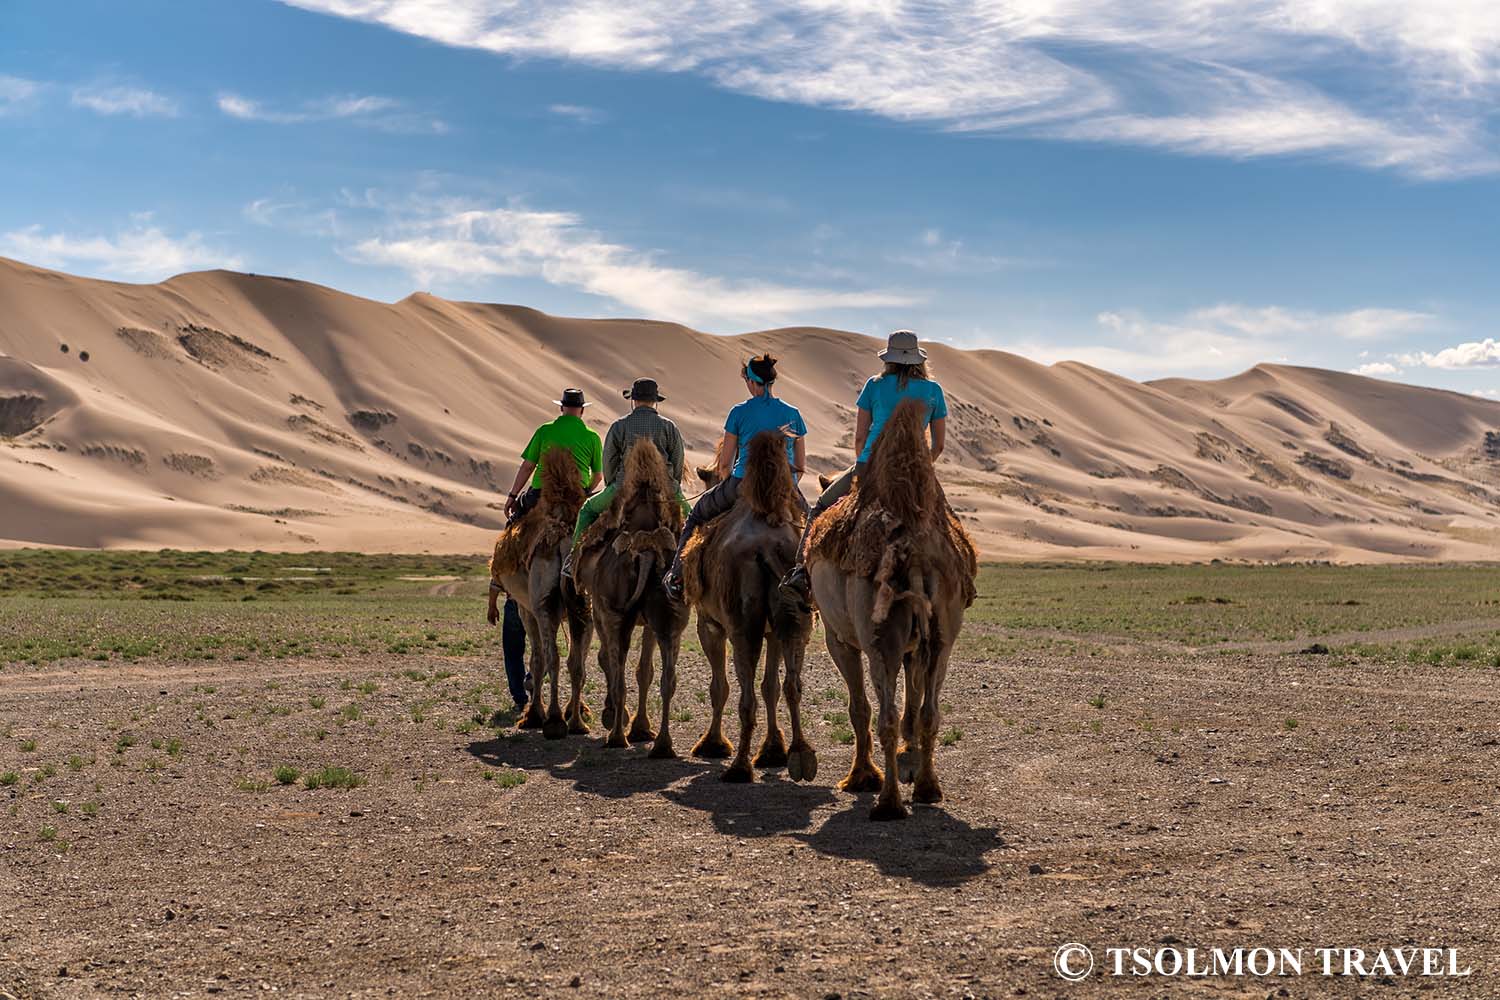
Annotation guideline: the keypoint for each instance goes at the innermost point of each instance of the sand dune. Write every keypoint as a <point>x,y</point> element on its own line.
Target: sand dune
<point>220,410</point>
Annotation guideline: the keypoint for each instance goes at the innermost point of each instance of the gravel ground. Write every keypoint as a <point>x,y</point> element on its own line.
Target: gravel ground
<point>1140,799</point>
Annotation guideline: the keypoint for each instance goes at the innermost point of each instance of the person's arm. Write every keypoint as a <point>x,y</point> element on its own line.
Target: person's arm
<point>596,463</point>
<point>799,458</point>
<point>728,449</point>
<point>675,457</point>
<point>612,453</point>
<point>862,429</point>
<point>939,434</point>
<point>522,475</point>
<point>594,483</point>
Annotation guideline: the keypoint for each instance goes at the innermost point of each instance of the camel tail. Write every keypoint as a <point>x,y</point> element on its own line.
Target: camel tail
<point>768,484</point>
<point>645,566</point>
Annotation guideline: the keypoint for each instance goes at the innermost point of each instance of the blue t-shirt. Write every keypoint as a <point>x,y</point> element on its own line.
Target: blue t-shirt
<point>881,394</point>
<point>762,413</point>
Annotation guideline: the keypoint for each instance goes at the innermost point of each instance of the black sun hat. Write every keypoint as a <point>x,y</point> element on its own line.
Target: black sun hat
<point>572,397</point>
<point>645,390</point>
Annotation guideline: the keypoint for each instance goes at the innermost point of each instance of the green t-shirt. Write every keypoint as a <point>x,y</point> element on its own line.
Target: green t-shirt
<point>569,432</point>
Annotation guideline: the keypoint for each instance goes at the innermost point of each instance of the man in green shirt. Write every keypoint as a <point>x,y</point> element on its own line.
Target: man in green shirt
<point>641,421</point>
<point>570,432</point>
<point>567,431</point>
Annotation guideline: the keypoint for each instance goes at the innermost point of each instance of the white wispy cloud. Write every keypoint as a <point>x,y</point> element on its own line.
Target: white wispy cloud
<point>143,251</point>
<point>935,252</point>
<point>136,102</point>
<point>468,245</point>
<point>1413,83</point>
<point>1473,354</point>
<point>16,92</point>
<point>578,112</point>
<point>1375,369</point>
<point>1222,338</point>
<point>370,111</point>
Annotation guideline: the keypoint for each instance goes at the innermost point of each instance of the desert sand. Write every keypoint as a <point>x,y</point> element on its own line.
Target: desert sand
<point>225,410</point>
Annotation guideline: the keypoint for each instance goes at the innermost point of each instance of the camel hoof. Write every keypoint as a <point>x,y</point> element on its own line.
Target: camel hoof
<point>771,755</point>
<point>577,727</point>
<point>607,720</point>
<point>616,741</point>
<point>802,765</point>
<point>887,811</point>
<point>713,749</point>
<point>662,750</point>
<point>907,763</point>
<point>737,774</point>
<point>554,729</point>
<point>927,793</point>
<point>858,780</point>
<point>641,732</point>
<point>530,721</point>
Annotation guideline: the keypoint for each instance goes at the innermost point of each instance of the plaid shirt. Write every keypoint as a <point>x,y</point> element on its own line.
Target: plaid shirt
<point>643,421</point>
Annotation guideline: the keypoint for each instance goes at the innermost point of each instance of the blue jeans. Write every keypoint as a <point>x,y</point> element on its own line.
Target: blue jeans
<point>513,645</point>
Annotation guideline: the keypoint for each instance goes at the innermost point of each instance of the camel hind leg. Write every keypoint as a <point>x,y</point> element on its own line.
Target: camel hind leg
<point>863,775</point>
<point>661,749</point>
<point>908,759</point>
<point>640,724</point>
<point>773,747</point>
<point>534,718</point>
<point>885,666</point>
<point>614,640</point>
<point>746,649</point>
<point>927,790</point>
<point>580,632</point>
<point>801,761</point>
<point>712,745</point>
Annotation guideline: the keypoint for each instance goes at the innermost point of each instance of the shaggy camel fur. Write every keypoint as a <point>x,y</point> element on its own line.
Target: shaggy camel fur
<point>892,572</point>
<point>527,564</point>
<point>619,562</point>
<point>732,569</point>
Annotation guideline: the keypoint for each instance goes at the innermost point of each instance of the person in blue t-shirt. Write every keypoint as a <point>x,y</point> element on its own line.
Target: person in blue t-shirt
<point>905,377</point>
<point>763,411</point>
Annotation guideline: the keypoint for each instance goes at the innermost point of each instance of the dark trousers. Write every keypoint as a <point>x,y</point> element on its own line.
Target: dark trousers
<point>513,645</point>
<point>512,632</point>
<point>716,501</point>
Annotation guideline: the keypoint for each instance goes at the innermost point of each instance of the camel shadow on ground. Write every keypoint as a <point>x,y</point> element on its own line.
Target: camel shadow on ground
<point>931,846</point>
<point>769,806</point>
<point>586,763</point>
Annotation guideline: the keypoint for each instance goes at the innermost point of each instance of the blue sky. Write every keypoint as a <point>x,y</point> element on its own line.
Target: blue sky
<point>1169,187</point>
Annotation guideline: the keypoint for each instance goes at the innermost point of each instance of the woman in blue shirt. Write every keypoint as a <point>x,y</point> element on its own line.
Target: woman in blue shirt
<point>762,411</point>
<point>905,377</point>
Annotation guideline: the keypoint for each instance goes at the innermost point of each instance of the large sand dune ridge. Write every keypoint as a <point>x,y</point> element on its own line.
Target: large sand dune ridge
<point>225,410</point>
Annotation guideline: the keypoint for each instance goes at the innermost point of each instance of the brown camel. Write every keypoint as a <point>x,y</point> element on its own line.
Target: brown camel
<point>732,568</point>
<point>892,572</point>
<point>619,563</point>
<point>527,565</point>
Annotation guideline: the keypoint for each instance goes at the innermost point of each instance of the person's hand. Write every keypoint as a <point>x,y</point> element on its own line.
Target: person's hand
<point>510,506</point>
<point>493,614</point>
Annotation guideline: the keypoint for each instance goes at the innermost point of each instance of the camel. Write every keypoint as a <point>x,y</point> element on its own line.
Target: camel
<point>527,565</point>
<point>619,563</point>
<point>892,573</point>
<point>732,568</point>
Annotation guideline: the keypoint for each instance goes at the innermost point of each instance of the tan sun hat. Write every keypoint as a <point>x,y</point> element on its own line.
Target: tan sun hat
<point>901,349</point>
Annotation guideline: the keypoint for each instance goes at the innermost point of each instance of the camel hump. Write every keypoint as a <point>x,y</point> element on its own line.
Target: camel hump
<point>645,465</point>
<point>900,476</point>
<point>561,487</point>
<point>768,486</point>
